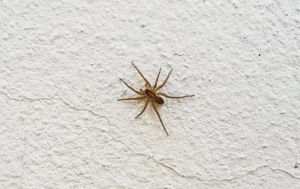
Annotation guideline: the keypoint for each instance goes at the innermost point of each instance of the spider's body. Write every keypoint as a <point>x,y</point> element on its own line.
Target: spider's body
<point>151,94</point>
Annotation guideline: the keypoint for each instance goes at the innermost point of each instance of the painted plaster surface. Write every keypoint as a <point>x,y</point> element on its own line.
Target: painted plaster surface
<point>60,123</point>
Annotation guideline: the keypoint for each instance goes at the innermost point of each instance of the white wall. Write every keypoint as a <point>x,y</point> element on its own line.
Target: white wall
<point>60,123</point>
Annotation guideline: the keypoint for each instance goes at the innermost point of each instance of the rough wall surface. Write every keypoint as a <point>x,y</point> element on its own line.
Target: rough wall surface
<point>60,123</point>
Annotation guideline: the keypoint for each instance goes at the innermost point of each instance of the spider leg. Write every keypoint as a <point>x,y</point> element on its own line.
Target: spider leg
<point>159,87</point>
<point>147,102</point>
<point>167,96</point>
<point>137,98</point>
<point>147,82</point>
<point>131,88</point>
<point>155,109</point>
<point>154,86</point>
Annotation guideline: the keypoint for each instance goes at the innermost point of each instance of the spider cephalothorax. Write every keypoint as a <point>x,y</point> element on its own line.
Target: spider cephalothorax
<point>151,94</point>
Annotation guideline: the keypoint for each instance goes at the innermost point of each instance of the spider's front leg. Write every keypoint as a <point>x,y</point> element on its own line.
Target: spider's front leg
<point>147,82</point>
<point>155,84</point>
<point>137,98</point>
<point>140,93</point>
<point>166,80</point>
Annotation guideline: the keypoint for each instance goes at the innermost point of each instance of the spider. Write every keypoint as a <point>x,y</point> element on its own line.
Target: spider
<point>151,94</point>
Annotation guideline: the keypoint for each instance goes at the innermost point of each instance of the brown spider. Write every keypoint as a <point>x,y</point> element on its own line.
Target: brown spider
<point>152,94</point>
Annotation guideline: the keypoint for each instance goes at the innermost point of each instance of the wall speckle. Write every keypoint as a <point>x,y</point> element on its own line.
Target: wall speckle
<point>60,123</point>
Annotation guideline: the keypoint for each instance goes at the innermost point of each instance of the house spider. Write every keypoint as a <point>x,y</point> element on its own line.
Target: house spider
<point>151,94</point>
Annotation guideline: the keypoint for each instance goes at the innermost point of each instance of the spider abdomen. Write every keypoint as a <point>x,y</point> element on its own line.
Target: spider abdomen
<point>159,100</point>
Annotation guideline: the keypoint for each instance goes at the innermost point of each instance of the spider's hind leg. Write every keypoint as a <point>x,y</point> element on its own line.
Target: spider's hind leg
<point>155,109</point>
<point>176,97</point>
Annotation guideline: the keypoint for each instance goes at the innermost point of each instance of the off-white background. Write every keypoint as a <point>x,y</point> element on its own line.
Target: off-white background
<point>60,123</point>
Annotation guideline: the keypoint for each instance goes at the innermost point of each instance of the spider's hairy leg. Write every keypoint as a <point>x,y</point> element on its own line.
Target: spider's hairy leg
<point>147,82</point>
<point>131,87</point>
<point>137,98</point>
<point>155,85</point>
<point>155,109</point>
<point>176,97</point>
<point>159,87</point>
<point>146,104</point>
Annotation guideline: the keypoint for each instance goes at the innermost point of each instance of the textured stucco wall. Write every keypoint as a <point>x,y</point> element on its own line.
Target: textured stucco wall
<point>60,123</point>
